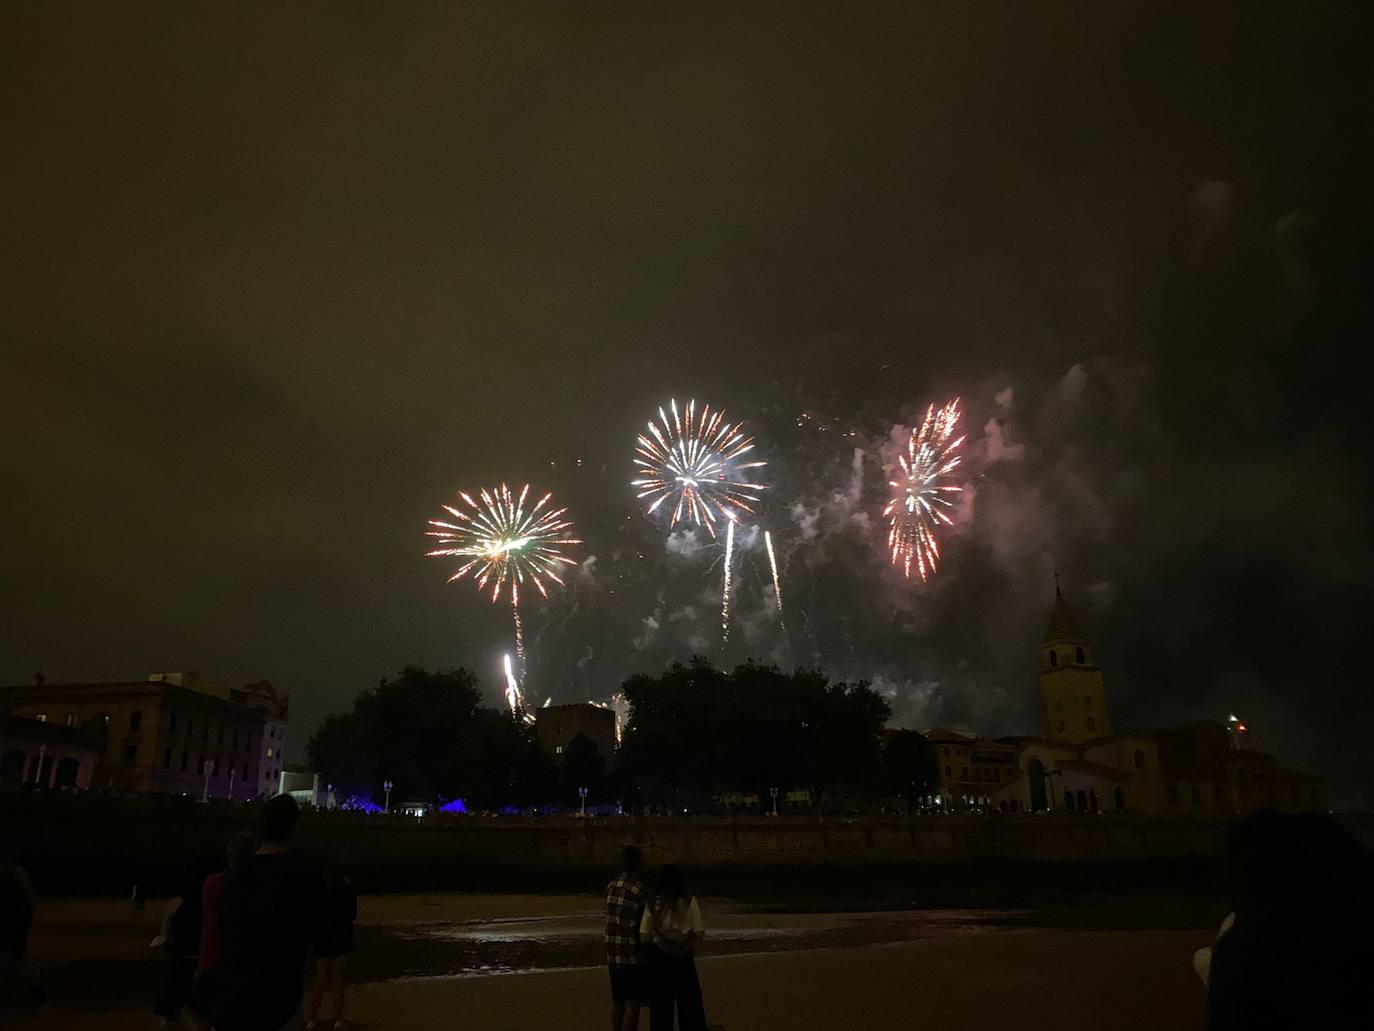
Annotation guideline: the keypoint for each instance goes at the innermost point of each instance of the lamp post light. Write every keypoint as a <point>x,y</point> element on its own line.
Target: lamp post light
<point>774,793</point>
<point>582,793</point>
<point>205,788</point>
<point>387,786</point>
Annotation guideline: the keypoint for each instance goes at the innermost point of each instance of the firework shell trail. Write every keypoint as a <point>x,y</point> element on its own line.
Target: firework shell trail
<point>921,499</point>
<point>725,590</point>
<point>696,466</point>
<point>777,580</point>
<point>513,693</point>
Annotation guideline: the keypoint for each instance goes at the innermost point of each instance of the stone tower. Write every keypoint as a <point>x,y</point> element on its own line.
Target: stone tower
<point>1070,682</point>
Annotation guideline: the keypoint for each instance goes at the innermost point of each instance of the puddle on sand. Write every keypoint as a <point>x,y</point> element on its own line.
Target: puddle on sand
<point>488,947</point>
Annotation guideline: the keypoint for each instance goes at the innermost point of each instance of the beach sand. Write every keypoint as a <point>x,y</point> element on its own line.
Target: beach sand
<point>1000,979</point>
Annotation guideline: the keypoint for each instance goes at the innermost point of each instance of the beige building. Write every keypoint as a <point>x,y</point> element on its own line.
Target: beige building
<point>172,734</point>
<point>1078,765</point>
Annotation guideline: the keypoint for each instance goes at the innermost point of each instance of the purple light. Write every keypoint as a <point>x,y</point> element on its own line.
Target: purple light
<point>360,804</point>
<point>456,806</point>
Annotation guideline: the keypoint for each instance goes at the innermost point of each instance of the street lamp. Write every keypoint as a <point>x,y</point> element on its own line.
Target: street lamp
<point>774,793</point>
<point>205,789</point>
<point>582,793</point>
<point>387,786</point>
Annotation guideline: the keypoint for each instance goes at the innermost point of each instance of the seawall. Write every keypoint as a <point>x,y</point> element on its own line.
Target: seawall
<point>99,845</point>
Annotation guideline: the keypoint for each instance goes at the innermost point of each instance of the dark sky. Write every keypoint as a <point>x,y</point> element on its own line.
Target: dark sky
<point>281,278</point>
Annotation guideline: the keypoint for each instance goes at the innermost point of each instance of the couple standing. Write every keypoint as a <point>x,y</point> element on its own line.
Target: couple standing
<point>649,949</point>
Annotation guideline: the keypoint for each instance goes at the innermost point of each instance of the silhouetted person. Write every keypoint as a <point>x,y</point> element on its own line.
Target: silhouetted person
<point>1299,952</point>
<point>669,928</point>
<point>624,908</point>
<point>17,900</point>
<point>206,990</point>
<point>271,912</point>
<point>179,939</point>
<point>333,943</point>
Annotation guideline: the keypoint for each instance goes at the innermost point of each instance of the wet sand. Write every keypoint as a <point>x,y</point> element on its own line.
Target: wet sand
<point>522,962</point>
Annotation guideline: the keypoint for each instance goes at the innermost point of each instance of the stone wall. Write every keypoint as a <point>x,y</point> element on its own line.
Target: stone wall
<point>85,844</point>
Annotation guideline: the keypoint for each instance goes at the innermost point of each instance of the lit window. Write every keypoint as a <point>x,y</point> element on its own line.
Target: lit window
<point>42,717</point>
<point>71,719</point>
<point>558,750</point>
<point>271,753</point>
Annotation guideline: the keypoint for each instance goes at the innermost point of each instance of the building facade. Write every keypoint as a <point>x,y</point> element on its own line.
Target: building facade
<point>172,734</point>
<point>1078,765</point>
<point>556,725</point>
<point>47,755</point>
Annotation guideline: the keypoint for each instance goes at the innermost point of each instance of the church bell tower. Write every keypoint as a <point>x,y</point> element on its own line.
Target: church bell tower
<point>1071,687</point>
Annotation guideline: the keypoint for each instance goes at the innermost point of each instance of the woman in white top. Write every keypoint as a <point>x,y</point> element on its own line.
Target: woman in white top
<point>667,931</point>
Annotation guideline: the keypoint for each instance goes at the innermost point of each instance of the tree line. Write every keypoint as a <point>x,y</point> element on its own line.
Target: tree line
<point>696,738</point>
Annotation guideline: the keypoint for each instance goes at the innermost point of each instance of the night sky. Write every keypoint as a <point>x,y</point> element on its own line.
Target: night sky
<point>279,279</point>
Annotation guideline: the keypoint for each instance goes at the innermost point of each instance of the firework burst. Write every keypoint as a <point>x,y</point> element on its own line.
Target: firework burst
<point>695,466</point>
<point>502,544</point>
<point>921,501</point>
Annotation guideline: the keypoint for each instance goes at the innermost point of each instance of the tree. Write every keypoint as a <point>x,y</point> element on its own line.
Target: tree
<point>426,732</point>
<point>581,767</point>
<point>696,732</point>
<point>909,766</point>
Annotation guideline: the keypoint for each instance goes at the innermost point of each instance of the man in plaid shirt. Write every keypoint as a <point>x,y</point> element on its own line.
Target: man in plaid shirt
<point>624,908</point>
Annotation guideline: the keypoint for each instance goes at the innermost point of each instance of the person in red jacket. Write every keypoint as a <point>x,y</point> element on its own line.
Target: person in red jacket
<point>204,990</point>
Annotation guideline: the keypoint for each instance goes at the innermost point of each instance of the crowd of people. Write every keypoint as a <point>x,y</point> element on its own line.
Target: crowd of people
<point>237,941</point>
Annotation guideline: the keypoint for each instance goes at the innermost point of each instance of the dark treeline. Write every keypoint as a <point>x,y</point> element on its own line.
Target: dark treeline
<point>697,738</point>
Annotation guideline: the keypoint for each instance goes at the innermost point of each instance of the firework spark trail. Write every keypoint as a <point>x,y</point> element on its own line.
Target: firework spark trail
<point>693,464</point>
<point>777,582</point>
<point>725,593</point>
<point>519,638</point>
<point>620,706</point>
<point>498,541</point>
<point>513,695</point>
<point>920,502</point>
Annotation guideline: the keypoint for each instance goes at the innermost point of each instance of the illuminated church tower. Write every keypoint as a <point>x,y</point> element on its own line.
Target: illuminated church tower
<point>1070,682</point>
